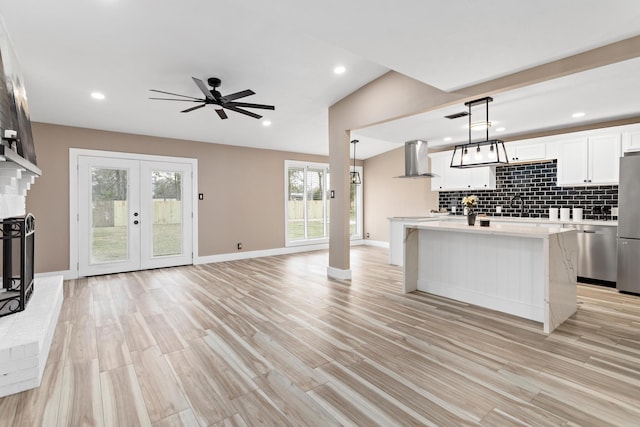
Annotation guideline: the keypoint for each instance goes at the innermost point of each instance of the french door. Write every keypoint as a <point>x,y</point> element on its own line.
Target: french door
<point>133,214</point>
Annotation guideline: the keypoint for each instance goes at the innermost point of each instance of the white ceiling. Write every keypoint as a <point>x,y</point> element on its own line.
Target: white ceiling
<point>286,50</point>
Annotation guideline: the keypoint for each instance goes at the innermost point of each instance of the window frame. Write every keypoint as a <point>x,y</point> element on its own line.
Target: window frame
<point>296,164</point>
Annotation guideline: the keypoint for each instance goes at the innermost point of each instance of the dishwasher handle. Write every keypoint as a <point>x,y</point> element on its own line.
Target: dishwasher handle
<point>589,231</point>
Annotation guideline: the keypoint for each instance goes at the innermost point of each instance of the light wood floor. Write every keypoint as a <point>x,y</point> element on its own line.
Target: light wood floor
<point>272,341</point>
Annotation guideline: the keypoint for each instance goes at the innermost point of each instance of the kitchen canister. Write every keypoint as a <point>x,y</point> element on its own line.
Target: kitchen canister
<point>553,214</point>
<point>577,214</point>
<point>565,214</point>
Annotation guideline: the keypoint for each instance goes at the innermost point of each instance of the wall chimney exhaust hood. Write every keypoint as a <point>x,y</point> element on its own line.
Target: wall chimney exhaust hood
<point>416,160</point>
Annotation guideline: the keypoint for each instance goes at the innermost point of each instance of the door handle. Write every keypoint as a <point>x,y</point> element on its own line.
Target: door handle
<point>136,222</point>
<point>589,231</point>
<point>135,214</point>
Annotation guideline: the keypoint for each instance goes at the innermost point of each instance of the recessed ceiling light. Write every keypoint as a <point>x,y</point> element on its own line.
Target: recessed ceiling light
<point>577,115</point>
<point>266,123</point>
<point>340,69</point>
<point>500,129</point>
<point>97,95</point>
<point>448,138</point>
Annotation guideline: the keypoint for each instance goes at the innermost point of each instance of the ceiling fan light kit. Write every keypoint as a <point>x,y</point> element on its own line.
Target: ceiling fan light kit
<point>489,152</point>
<point>214,97</point>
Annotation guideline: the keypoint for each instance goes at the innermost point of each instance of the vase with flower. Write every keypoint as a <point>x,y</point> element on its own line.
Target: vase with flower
<point>470,203</point>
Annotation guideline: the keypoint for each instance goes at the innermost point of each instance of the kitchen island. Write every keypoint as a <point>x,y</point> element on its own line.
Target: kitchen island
<point>524,271</point>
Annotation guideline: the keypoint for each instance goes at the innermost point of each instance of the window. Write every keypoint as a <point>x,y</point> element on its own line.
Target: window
<point>307,204</point>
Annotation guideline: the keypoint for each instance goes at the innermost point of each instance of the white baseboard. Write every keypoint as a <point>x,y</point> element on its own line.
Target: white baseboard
<point>337,273</point>
<point>234,256</point>
<point>258,254</point>
<point>376,243</point>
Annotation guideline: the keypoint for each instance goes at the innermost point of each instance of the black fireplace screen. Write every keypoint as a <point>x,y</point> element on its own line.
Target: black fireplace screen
<point>17,288</point>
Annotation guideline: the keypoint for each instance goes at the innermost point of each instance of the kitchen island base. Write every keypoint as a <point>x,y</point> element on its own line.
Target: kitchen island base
<point>526,272</point>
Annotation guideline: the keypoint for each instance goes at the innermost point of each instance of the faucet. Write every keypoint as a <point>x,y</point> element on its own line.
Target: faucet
<point>517,199</point>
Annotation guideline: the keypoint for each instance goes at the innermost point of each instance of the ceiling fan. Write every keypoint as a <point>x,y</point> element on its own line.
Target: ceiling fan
<point>215,98</point>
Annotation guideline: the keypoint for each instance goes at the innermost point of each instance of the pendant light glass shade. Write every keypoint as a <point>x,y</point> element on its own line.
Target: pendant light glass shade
<point>354,175</point>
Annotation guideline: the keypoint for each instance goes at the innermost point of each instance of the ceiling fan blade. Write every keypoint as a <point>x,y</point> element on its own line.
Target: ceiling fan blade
<point>222,114</point>
<point>181,100</point>
<point>237,95</point>
<point>248,105</point>
<point>203,88</point>
<point>241,111</point>
<point>174,94</point>
<point>193,108</point>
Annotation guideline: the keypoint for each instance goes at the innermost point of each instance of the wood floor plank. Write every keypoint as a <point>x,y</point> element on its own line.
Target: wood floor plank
<point>81,397</point>
<point>122,401</point>
<point>136,332</point>
<point>256,407</point>
<point>167,338</point>
<point>113,351</point>
<point>298,407</point>
<point>181,419</point>
<point>82,344</point>
<point>208,405</point>
<point>162,395</point>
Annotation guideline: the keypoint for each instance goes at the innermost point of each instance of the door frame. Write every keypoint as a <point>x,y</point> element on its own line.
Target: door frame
<point>75,153</point>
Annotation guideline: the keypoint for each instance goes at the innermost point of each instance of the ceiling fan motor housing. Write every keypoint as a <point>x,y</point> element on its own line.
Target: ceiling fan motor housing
<point>214,82</point>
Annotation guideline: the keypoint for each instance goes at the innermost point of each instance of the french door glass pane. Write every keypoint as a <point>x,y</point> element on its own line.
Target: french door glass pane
<point>295,204</point>
<point>315,204</point>
<point>167,212</point>
<point>109,215</point>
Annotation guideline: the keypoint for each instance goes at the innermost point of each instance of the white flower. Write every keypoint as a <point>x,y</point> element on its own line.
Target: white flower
<point>470,201</point>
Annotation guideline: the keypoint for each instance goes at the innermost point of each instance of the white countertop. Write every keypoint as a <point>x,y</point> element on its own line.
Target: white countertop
<point>495,229</point>
<point>544,221</point>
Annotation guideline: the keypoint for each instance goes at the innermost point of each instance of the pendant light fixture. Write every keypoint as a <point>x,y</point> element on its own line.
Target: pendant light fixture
<point>355,175</point>
<point>486,153</point>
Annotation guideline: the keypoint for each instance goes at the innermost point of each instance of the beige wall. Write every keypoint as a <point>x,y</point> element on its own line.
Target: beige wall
<point>243,190</point>
<point>386,196</point>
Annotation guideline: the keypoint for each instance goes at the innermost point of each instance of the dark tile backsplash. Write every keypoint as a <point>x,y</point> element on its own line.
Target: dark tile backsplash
<point>536,183</point>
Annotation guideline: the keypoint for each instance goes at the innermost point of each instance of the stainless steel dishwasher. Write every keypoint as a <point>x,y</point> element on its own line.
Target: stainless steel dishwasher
<point>597,252</point>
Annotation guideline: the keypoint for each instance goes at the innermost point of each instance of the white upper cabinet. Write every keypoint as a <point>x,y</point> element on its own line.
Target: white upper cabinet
<point>454,179</point>
<point>630,141</point>
<point>573,159</point>
<point>526,152</point>
<point>439,161</point>
<point>604,159</point>
<point>592,160</point>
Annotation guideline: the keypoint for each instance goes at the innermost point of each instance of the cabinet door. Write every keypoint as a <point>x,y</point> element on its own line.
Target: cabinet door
<point>483,178</point>
<point>631,141</point>
<point>573,159</point>
<point>604,159</point>
<point>531,152</point>
<point>439,163</point>
<point>457,179</point>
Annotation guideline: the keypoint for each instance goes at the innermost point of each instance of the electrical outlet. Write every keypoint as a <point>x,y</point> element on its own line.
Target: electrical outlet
<point>239,246</point>
<point>367,235</point>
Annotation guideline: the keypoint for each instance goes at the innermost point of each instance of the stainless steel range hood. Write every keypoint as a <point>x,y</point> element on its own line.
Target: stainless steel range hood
<point>416,160</point>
